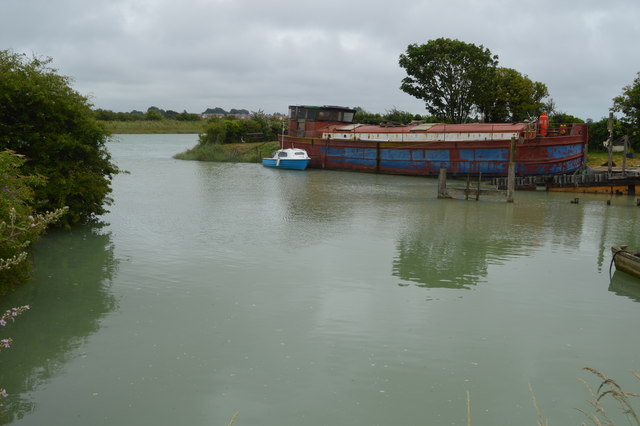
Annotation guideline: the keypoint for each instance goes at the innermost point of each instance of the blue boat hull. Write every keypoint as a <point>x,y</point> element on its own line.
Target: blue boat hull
<point>293,164</point>
<point>537,156</point>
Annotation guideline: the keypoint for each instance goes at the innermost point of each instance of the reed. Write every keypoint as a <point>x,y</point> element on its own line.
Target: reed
<point>539,420</point>
<point>609,388</point>
<point>233,419</point>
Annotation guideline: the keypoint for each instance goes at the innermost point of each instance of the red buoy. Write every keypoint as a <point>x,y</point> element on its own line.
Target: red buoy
<point>544,124</point>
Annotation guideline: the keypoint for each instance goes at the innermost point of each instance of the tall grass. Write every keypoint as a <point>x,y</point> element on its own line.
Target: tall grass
<point>595,159</point>
<point>610,389</point>
<point>158,126</point>
<point>607,390</point>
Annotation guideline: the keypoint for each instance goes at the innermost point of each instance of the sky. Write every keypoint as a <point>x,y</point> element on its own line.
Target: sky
<point>264,55</point>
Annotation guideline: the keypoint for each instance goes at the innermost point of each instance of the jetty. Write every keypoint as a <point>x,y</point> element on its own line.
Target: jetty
<point>591,181</point>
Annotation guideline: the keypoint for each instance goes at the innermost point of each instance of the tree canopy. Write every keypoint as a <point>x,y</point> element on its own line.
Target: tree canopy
<point>458,80</point>
<point>451,76</point>
<point>391,115</point>
<point>53,127</point>
<point>513,97</point>
<point>628,103</point>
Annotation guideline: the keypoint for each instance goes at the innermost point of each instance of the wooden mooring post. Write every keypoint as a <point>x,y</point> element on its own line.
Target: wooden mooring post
<point>442,184</point>
<point>511,173</point>
<point>610,143</point>
<point>511,182</point>
<point>443,191</point>
<point>466,193</point>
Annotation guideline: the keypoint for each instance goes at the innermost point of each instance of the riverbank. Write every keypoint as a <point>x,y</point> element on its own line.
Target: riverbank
<point>155,127</point>
<point>235,153</point>
<point>599,159</point>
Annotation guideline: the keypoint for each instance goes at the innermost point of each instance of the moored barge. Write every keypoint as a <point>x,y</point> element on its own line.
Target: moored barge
<point>334,141</point>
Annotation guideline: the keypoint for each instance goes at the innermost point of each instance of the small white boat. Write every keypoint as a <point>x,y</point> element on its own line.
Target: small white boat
<point>289,158</point>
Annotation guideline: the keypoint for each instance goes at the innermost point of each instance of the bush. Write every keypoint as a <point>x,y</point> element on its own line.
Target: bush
<point>258,128</point>
<point>53,126</point>
<point>19,225</point>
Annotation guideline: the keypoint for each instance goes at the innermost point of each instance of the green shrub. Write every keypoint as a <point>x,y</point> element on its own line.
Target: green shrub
<point>53,126</point>
<point>19,225</point>
<point>258,128</point>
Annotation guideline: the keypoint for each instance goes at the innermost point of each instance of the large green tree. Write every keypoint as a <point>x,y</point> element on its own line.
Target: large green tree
<point>628,103</point>
<point>44,119</point>
<point>514,97</point>
<point>451,76</point>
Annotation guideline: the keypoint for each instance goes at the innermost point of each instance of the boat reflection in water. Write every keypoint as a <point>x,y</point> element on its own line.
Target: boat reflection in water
<point>625,285</point>
<point>450,248</point>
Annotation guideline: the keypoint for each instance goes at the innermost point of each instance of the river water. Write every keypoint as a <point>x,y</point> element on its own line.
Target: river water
<point>318,298</point>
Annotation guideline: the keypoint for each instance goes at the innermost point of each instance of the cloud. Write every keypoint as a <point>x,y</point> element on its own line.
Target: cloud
<point>194,54</point>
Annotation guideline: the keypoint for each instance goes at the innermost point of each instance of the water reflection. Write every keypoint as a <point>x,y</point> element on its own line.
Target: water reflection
<point>452,243</point>
<point>68,296</point>
<point>626,285</point>
<point>442,248</point>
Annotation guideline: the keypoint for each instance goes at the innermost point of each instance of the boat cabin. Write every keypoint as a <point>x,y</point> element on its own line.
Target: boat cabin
<point>306,121</point>
<point>290,154</point>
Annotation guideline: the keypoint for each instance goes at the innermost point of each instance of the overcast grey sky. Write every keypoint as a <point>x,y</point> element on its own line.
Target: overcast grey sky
<point>268,54</point>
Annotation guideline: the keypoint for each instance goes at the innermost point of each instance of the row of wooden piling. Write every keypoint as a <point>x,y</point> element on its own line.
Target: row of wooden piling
<point>511,181</point>
<point>470,190</point>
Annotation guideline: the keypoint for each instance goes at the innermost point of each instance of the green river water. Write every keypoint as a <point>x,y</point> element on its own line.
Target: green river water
<point>318,298</point>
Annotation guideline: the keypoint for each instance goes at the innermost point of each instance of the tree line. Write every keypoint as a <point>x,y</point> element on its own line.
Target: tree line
<point>154,113</point>
<point>221,111</point>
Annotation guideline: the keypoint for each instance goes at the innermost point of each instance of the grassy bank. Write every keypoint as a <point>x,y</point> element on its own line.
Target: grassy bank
<point>159,126</point>
<point>238,152</point>
<point>596,159</point>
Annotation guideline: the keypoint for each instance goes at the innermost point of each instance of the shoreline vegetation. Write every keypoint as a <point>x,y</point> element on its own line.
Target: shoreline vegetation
<point>155,127</point>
